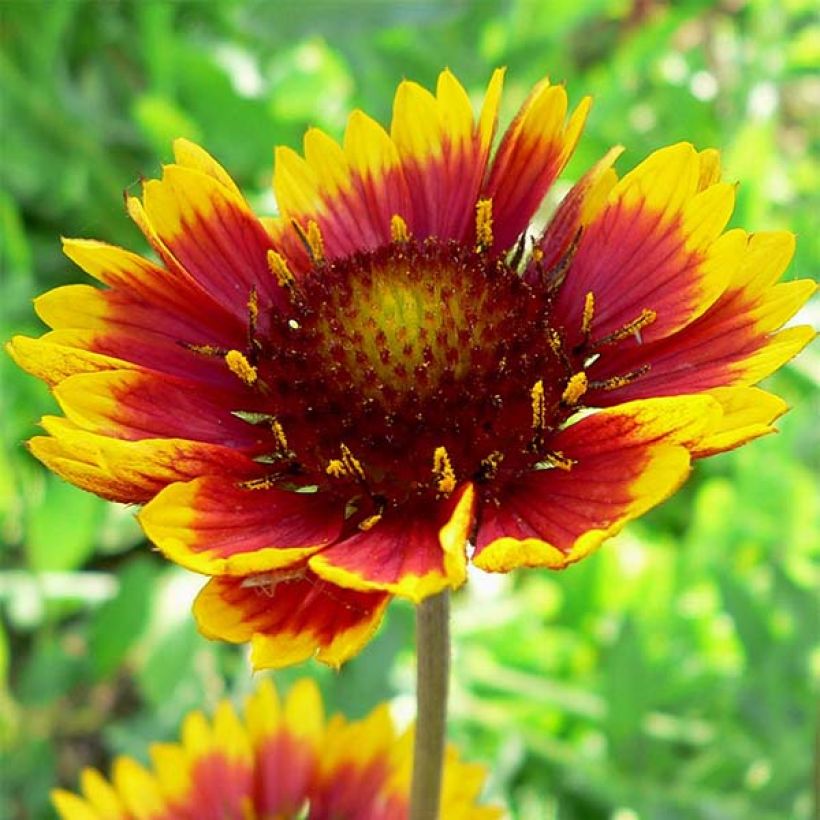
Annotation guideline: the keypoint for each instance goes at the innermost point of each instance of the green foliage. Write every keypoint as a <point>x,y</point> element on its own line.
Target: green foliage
<point>670,676</point>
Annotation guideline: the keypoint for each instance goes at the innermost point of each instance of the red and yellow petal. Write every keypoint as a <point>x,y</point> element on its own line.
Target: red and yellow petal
<point>216,526</point>
<point>211,772</point>
<point>411,552</point>
<point>532,153</point>
<point>656,246</point>
<point>462,783</point>
<point>137,404</point>
<point>575,212</point>
<point>99,800</point>
<point>443,152</point>
<point>288,742</point>
<point>289,617</point>
<point>355,769</point>
<point>624,461</point>
<point>748,413</point>
<point>205,228</point>
<point>58,355</point>
<point>734,343</point>
<point>172,291</point>
<point>130,471</point>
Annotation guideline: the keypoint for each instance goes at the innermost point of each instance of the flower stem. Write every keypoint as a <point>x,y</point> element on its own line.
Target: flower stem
<point>432,675</point>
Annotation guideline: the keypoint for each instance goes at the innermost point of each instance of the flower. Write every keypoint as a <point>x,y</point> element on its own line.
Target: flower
<point>324,409</point>
<point>283,761</point>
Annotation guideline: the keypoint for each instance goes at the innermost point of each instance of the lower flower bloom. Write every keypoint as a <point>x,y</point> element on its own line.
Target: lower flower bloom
<point>284,760</point>
<point>342,404</point>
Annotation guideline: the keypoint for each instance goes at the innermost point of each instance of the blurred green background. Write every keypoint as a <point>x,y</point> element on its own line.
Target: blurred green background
<point>672,675</point>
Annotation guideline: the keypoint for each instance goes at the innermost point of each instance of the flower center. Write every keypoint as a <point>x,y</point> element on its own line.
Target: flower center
<point>400,372</point>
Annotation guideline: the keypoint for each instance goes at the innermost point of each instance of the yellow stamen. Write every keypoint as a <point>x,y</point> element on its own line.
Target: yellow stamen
<point>335,468</point>
<point>484,224</point>
<point>264,483</point>
<point>537,255</point>
<point>398,229</point>
<point>539,407</point>
<point>559,460</point>
<point>241,367</point>
<point>575,389</point>
<point>205,350</point>
<point>490,465</point>
<point>279,268</point>
<point>370,522</point>
<point>444,472</point>
<point>315,242</point>
<point>615,382</point>
<point>279,436</point>
<point>351,463</point>
<point>589,311</point>
<point>253,306</point>
<point>633,328</point>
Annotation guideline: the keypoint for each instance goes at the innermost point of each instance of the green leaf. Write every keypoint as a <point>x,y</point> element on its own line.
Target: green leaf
<point>120,622</point>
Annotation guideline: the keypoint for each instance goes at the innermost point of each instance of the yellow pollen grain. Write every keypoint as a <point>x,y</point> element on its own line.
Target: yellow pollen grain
<point>370,522</point>
<point>539,407</point>
<point>559,460</point>
<point>490,464</point>
<point>264,483</point>
<point>398,229</point>
<point>575,389</point>
<point>589,312</point>
<point>279,436</point>
<point>315,242</point>
<point>335,468</point>
<point>352,465</point>
<point>241,367</point>
<point>444,472</point>
<point>555,343</point>
<point>537,255</point>
<point>633,328</point>
<point>279,268</point>
<point>484,223</point>
<point>206,350</point>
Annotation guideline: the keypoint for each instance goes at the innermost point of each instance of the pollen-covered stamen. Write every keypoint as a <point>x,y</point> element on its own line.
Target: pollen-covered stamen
<point>370,522</point>
<point>539,413</point>
<point>444,472</point>
<point>279,437</point>
<point>279,268</point>
<point>483,224</point>
<point>488,469</point>
<point>398,229</point>
<point>554,277</point>
<point>240,366</point>
<point>267,482</point>
<point>633,328</point>
<point>556,344</point>
<point>211,351</point>
<point>589,312</point>
<point>575,389</point>
<point>615,382</point>
<point>348,466</point>
<point>559,461</point>
<point>254,346</point>
<point>316,242</point>
<point>312,240</point>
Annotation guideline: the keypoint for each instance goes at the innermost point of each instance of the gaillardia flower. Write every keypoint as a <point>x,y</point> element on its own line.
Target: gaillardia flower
<point>283,761</point>
<point>325,409</point>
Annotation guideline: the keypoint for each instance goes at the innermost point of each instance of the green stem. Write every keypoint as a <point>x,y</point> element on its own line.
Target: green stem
<point>433,670</point>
